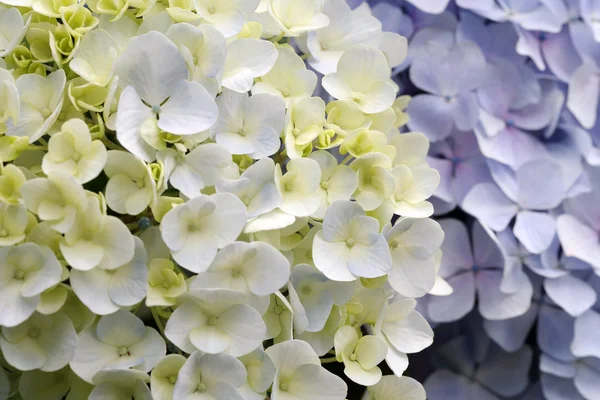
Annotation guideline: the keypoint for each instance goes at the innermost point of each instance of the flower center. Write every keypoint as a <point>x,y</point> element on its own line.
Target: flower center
<point>296,131</point>
<point>34,333</point>
<point>350,242</point>
<point>283,385</point>
<point>19,274</point>
<point>201,387</point>
<point>212,321</point>
<point>156,108</point>
<point>289,187</point>
<point>236,272</point>
<point>123,351</point>
<point>76,157</point>
<point>166,285</point>
<point>173,378</point>
<point>352,357</point>
<point>325,185</point>
<point>278,310</point>
<point>3,233</point>
<point>46,113</point>
<point>393,244</point>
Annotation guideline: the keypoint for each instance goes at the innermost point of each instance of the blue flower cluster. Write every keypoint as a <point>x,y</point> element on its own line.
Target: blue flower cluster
<point>508,92</point>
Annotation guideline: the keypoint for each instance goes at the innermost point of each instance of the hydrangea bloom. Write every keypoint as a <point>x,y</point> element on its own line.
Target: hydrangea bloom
<point>210,200</point>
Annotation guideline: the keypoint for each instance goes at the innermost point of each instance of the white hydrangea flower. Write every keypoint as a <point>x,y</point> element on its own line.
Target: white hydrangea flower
<point>105,291</point>
<point>247,59</point>
<point>37,384</point>
<point>299,187</point>
<point>318,295</point>
<point>45,342</point>
<point>204,49</point>
<point>338,182</point>
<point>362,76</point>
<point>323,341</point>
<point>27,271</point>
<point>360,355</point>
<point>288,79</point>
<point>164,376</point>
<point>41,99</point>
<point>194,231</point>
<point>251,268</point>
<point>9,94</point>
<point>116,383</point>
<point>413,187</point>
<point>375,181</point>
<point>13,223</point>
<point>249,125</point>
<point>296,17</point>
<point>14,29</point>
<point>164,283</point>
<point>131,187</point>
<point>227,16</point>
<point>392,387</point>
<point>278,318</point>
<point>349,27</point>
<point>404,330</point>
<point>305,121</point>
<point>95,57</point>
<point>204,166</point>
<point>73,151</point>
<point>181,107</point>
<point>261,373</point>
<point>300,375</point>
<point>210,377</point>
<point>97,239</point>
<point>350,245</point>
<point>118,340</point>
<point>216,321</point>
<point>414,244</point>
<point>55,199</point>
<point>255,188</point>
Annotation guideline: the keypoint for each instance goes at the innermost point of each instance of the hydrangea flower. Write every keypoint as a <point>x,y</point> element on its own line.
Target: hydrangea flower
<point>171,174</point>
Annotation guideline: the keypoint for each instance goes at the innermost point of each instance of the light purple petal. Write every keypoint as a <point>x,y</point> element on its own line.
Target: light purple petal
<point>506,374</point>
<point>456,305</point>
<point>466,111</point>
<point>555,333</point>
<point>488,204</point>
<point>510,334</point>
<point>431,115</point>
<point>535,230</point>
<point>572,294</point>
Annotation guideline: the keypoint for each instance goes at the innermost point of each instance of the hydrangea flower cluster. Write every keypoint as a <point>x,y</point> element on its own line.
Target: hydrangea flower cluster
<point>508,91</point>
<point>181,218</point>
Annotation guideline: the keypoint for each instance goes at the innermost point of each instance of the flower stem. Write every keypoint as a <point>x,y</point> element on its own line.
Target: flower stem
<point>159,323</point>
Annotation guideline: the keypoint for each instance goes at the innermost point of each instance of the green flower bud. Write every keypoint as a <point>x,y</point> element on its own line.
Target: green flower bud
<point>78,19</point>
<point>86,96</point>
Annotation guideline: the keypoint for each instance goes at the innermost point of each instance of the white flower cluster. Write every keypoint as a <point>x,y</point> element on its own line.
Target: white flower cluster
<point>182,219</point>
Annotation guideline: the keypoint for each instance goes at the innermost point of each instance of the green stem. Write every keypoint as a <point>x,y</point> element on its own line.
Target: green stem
<point>347,159</point>
<point>277,38</point>
<point>110,145</point>
<point>159,323</point>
